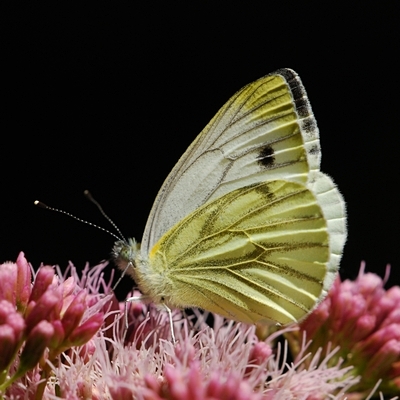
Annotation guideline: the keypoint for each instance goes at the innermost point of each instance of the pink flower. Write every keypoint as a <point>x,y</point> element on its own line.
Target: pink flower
<point>46,308</point>
<point>363,319</point>
<point>63,339</point>
<point>24,278</point>
<point>35,345</point>
<point>85,331</point>
<point>227,361</point>
<point>11,329</point>
<point>192,385</point>
<point>44,278</point>
<point>40,320</point>
<point>8,279</point>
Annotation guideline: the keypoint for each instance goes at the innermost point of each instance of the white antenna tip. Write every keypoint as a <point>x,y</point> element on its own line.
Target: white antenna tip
<point>40,204</point>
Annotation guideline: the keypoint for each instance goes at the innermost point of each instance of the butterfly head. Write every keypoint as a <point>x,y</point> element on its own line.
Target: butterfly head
<point>125,253</point>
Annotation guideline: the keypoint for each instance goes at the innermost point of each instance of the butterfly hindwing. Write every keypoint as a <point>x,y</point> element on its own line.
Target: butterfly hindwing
<point>256,254</point>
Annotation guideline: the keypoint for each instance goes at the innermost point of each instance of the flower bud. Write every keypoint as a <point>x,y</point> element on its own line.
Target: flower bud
<point>24,282</point>
<point>7,345</point>
<point>47,308</point>
<point>58,336</point>
<point>38,339</point>
<point>43,279</point>
<point>87,330</point>
<point>74,313</point>
<point>8,282</point>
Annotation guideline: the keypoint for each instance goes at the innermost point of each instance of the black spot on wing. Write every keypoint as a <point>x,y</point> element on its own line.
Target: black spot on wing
<point>309,125</point>
<point>266,157</point>
<point>303,107</point>
<point>314,150</point>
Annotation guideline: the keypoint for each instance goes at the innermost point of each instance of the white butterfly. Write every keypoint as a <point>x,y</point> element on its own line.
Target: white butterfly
<point>245,225</point>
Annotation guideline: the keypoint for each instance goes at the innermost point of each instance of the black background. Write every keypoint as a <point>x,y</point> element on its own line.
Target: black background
<point>108,96</point>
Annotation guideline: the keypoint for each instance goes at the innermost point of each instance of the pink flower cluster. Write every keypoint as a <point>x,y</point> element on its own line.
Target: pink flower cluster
<point>60,341</point>
<point>224,362</point>
<point>39,321</point>
<point>363,320</point>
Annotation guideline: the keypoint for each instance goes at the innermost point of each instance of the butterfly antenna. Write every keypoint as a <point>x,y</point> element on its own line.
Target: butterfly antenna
<point>42,205</point>
<point>94,201</point>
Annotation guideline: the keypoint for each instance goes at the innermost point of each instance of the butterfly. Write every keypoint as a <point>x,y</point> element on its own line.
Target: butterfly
<point>245,225</point>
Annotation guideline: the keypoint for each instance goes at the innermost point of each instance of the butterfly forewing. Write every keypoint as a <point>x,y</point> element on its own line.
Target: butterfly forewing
<point>266,131</point>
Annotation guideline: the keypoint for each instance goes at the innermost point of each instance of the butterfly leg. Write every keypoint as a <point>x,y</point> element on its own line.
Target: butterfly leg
<point>122,275</point>
<point>170,322</point>
<point>141,298</point>
<point>131,300</point>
